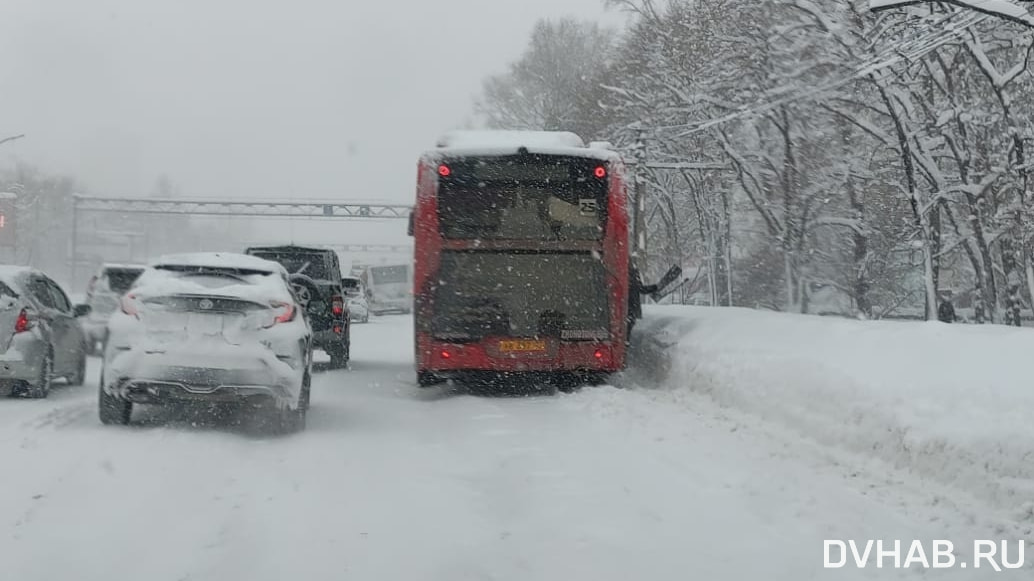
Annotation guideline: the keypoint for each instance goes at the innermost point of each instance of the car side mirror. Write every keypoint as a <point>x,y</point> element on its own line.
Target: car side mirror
<point>83,310</point>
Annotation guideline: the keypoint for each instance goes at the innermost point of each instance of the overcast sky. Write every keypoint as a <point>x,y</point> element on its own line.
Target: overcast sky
<point>251,98</point>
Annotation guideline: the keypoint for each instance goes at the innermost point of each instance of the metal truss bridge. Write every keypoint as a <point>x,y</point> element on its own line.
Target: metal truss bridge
<point>246,208</point>
<point>323,210</point>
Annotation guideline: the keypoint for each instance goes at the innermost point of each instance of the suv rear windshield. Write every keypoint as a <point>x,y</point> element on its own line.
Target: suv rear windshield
<point>310,264</point>
<point>389,274</point>
<point>120,279</point>
<point>351,286</point>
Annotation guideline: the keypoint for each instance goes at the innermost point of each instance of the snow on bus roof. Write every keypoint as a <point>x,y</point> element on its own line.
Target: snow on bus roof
<point>492,142</point>
<point>502,138</point>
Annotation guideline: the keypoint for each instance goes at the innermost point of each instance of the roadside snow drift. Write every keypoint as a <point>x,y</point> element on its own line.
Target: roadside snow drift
<point>950,402</point>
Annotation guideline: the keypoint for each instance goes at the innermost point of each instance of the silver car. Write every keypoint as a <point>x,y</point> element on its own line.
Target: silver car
<point>214,328</point>
<point>41,338</point>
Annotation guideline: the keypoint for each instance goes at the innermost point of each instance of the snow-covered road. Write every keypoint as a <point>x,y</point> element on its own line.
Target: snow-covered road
<point>391,482</point>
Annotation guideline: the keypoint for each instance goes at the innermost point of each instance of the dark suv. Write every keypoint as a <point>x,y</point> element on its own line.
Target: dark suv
<point>316,277</point>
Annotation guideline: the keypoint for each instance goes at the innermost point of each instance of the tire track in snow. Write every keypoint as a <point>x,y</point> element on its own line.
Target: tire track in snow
<point>60,417</point>
<point>42,499</point>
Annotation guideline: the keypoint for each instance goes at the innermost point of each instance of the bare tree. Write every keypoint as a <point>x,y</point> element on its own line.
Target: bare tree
<point>555,85</point>
<point>876,158</point>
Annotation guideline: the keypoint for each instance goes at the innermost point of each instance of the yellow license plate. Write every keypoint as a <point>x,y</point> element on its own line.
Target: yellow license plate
<point>511,346</point>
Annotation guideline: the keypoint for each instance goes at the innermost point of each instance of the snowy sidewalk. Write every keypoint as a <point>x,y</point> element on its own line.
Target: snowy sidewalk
<point>954,403</point>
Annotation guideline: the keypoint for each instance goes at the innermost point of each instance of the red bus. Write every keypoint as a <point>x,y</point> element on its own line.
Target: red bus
<point>521,260</point>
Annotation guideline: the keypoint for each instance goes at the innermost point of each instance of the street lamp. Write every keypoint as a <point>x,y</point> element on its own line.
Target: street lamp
<point>11,138</point>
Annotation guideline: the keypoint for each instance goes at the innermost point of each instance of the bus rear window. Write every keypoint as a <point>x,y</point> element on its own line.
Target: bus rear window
<point>481,294</point>
<point>523,198</point>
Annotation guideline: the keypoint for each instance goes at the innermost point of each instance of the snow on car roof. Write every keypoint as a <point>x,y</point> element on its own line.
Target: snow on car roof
<point>13,269</point>
<point>11,272</point>
<point>123,265</point>
<point>160,279</point>
<point>286,247</point>
<point>491,143</point>
<point>260,288</point>
<point>219,260</point>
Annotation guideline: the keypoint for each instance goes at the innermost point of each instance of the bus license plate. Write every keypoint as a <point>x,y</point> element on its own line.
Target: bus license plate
<point>511,346</point>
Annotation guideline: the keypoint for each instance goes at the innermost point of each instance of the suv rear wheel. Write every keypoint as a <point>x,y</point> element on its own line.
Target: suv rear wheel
<point>112,408</point>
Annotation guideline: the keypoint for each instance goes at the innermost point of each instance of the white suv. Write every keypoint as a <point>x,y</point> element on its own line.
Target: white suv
<point>214,328</point>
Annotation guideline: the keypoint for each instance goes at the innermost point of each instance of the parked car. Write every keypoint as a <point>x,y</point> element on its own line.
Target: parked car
<point>103,294</point>
<point>209,327</point>
<point>41,338</point>
<point>316,276</point>
<point>358,308</point>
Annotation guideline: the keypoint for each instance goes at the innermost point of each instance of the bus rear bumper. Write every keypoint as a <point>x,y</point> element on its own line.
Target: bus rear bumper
<point>584,357</point>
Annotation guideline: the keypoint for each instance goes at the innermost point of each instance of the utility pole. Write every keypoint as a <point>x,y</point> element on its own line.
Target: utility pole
<point>639,202</point>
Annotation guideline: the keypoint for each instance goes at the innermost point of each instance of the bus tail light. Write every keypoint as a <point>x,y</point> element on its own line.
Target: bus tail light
<point>446,354</point>
<point>600,172</point>
<point>598,354</point>
<point>444,170</point>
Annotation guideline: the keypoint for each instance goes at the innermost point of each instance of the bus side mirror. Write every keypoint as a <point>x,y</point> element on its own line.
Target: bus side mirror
<point>410,228</point>
<point>657,290</point>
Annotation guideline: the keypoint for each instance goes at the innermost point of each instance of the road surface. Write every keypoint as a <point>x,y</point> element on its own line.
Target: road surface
<point>392,482</point>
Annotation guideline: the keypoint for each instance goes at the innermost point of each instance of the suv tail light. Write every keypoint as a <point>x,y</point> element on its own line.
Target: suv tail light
<point>24,322</point>
<point>285,312</point>
<point>337,305</point>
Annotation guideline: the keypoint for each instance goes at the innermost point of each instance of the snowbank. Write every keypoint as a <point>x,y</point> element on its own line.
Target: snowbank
<point>950,402</point>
